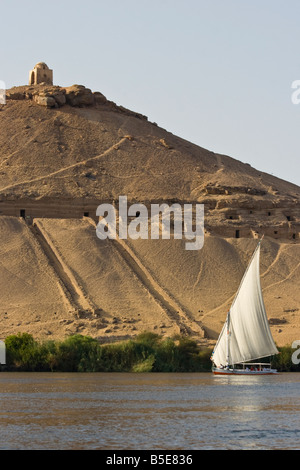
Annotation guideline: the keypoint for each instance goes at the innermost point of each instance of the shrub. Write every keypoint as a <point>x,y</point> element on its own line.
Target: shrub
<point>283,361</point>
<point>144,366</point>
<point>146,353</point>
<point>77,353</point>
<point>24,353</point>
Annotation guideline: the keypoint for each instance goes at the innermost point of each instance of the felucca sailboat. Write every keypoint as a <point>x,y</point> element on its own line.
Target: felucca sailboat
<point>246,334</point>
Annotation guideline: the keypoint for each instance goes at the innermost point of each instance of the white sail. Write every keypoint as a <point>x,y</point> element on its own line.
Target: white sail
<point>247,324</point>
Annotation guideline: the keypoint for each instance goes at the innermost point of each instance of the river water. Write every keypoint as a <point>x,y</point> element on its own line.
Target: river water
<point>149,411</point>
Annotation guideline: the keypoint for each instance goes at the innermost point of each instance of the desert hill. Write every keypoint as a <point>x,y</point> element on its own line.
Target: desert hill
<point>63,152</point>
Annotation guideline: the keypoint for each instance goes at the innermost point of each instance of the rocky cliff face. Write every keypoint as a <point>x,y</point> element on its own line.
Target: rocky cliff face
<point>64,151</point>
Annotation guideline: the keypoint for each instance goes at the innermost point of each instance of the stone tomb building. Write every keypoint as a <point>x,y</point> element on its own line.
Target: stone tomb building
<point>41,74</point>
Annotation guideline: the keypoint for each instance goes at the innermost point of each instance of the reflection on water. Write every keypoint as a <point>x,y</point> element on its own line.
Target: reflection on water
<point>149,411</point>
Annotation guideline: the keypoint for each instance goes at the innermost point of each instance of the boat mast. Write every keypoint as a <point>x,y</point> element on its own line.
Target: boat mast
<point>227,342</point>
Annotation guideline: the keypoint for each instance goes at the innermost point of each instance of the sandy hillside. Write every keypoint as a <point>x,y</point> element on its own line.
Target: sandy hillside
<point>99,288</point>
<point>205,281</point>
<point>102,151</point>
<point>59,162</point>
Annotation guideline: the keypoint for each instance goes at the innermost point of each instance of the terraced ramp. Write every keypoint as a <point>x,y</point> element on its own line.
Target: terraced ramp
<point>119,296</point>
<point>32,296</point>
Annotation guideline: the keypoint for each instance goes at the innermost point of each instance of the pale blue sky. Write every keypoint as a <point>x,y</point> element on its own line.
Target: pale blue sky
<point>215,72</point>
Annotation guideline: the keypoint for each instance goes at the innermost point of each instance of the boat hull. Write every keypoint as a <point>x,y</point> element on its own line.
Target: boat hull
<point>217,371</point>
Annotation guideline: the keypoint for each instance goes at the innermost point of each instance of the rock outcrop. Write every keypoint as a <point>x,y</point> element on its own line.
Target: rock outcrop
<point>55,97</point>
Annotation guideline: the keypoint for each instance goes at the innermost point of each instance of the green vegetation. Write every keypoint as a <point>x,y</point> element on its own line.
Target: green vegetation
<point>148,352</point>
<point>283,361</point>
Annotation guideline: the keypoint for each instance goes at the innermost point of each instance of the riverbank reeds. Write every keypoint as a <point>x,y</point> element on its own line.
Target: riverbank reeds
<point>148,352</point>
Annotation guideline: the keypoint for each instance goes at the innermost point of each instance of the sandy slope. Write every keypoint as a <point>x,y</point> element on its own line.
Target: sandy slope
<point>106,280</point>
<point>104,295</point>
<point>96,152</point>
<point>205,282</point>
<point>58,278</point>
<point>32,297</point>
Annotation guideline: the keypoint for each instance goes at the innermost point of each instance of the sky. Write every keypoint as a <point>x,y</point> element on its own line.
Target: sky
<point>217,73</point>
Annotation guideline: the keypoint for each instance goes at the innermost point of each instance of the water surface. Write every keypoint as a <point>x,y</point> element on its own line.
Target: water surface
<point>149,411</point>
